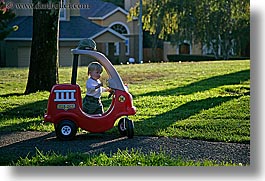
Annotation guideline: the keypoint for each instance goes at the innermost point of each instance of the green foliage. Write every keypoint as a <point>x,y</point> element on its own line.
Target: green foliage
<point>214,23</point>
<point>121,158</point>
<point>189,58</point>
<point>6,15</point>
<point>223,23</point>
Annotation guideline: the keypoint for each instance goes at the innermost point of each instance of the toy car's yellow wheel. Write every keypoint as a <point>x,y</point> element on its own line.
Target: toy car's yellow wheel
<point>66,130</point>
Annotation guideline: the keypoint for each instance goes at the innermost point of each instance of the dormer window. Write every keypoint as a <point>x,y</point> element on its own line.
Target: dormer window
<point>120,29</point>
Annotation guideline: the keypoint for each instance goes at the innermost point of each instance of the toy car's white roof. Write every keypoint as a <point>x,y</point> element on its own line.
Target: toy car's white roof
<point>115,81</point>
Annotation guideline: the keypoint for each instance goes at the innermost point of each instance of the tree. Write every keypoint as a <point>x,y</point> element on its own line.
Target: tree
<point>6,15</point>
<point>216,23</point>
<point>163,18</point>
<point>43,68</point>
<point>224,24</point>
<point>151,14</point>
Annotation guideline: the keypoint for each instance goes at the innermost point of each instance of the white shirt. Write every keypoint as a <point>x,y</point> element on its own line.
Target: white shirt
<point>91,90</point>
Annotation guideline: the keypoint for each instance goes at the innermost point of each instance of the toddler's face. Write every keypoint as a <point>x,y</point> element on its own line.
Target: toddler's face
<point>95,74</point>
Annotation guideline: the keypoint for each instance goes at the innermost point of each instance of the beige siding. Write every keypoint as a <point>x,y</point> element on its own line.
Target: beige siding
<point>168,49</point>
<point>117,16</point>
<point>128,4</point>
<point>197,49</point>
<point>107,37</point>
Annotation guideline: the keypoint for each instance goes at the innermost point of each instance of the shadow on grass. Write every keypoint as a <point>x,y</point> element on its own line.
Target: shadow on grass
<point>30,110</point>
<point>26,144</point>
<point>184,111</point>
<point>12,94</point>
<point>16,115</point>
<point>206,84</point>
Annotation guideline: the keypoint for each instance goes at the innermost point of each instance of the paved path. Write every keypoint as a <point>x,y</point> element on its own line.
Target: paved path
<point>19,144</point>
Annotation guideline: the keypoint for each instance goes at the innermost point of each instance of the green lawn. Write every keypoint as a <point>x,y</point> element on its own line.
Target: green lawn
<point>203,100</point>
<point>200,100</point>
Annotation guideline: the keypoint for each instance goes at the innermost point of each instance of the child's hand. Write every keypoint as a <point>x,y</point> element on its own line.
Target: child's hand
<point>109,89</point>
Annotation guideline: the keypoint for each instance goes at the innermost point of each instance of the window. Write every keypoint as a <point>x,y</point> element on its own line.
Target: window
<point>127,47</point>
<point>120,29</point>
<point>123,30</point>
<point>62,10</point>
<point>117,47</point>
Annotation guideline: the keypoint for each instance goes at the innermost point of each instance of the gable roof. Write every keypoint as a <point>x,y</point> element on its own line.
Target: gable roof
<point>99,9</point>
<point>25,24</point>
<point>78,27</point>
<point>75,29</point>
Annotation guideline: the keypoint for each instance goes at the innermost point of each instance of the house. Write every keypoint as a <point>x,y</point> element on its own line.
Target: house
<point>104,22</point>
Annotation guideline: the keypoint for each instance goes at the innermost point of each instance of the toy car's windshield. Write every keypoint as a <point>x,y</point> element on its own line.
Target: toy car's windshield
<point>114,81</point>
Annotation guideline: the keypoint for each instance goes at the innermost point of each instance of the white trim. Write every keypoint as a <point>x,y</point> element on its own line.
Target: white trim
<point>121,23</point>
<point>110,13</point>
<point>111,31</point>
<point>20,39</point>
<point>71,39</point>
<point>117,48</point>
<point>64,95</point>
<point>107,48</point>
<point>117,34</point>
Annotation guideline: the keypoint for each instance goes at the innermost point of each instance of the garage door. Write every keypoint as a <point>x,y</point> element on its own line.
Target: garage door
<point>65,56</point>
<point>23,56</point>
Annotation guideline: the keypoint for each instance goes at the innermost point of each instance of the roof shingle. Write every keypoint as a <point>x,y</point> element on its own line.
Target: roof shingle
<point>78,27</point>
<point>97,8</point>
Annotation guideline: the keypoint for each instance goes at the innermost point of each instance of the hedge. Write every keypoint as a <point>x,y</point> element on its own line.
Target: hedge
<point>194,58</point>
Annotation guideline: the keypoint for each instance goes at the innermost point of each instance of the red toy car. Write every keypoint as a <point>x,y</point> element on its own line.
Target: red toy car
<point>64,107</point>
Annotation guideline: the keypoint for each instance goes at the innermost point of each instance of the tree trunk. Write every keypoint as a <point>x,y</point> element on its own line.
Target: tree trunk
<point>43,69</point>
<point>154,47</point>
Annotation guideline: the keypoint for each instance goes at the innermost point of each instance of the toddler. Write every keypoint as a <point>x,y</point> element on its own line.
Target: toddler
<point>92,102</point>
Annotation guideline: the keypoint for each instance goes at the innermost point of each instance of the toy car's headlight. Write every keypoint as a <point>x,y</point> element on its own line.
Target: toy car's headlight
<point>121,98</point>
